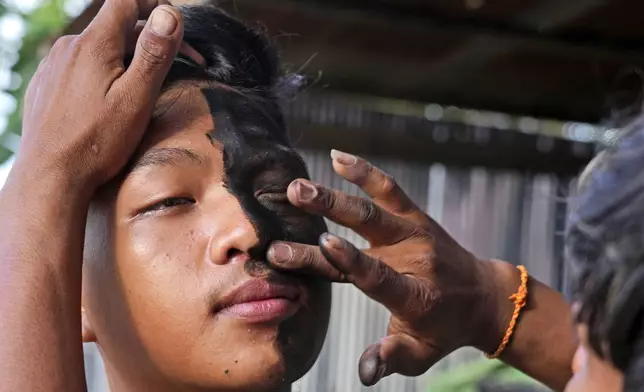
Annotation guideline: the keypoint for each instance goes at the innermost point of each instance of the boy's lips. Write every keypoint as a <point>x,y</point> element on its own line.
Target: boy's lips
<point>261,301</point>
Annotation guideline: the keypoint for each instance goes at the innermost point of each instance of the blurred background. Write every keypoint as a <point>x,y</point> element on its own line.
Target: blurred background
<point>484,111</point>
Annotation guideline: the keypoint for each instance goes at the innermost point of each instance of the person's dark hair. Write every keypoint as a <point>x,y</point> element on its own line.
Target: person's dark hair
<point>605,248</point>
<point>238,57</point>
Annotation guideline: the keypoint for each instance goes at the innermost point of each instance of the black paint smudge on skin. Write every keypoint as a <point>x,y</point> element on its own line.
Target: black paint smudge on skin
<point>257,156</point>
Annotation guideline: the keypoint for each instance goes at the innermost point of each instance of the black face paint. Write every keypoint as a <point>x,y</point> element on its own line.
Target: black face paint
<point>259,164</point>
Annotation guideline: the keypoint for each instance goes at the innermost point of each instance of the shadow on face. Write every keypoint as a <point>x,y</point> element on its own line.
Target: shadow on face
<point>175,289</point>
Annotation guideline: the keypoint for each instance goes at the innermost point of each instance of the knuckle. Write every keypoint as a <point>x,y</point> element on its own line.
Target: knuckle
<point>99,49</point>
<point>306,257</point>
<point>76,47</point>
<point>152,51</point>
<point>327,199</point>
<point>63,45</point>
<point>362,175</point>
<point>86,38</point>
<point>64,41</point>
<point>380,275</point>
<point>389,184</point>
<point>368,212</point>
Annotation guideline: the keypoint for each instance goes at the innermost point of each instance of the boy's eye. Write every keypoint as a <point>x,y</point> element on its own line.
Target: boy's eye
<point>169,203</point>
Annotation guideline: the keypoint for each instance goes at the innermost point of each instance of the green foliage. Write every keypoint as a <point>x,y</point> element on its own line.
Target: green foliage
<point>42,26</point>
<point>466,377</point>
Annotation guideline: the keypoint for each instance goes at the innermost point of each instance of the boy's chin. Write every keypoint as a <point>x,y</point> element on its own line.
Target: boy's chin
<point>259,367</point>
<point>255,377</point>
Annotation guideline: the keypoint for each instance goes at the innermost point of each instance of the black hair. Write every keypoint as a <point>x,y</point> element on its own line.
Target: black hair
<point>238,57</point>
<point>605,249</point>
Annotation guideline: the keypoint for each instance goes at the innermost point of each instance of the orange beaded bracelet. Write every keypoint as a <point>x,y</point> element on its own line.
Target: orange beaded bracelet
<point>520,298</point>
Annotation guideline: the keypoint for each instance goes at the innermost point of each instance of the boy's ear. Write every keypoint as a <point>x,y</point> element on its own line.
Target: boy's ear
<point>88,334</point>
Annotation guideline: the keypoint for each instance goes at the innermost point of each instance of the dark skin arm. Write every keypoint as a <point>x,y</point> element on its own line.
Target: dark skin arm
<point>41,246</point>
<point>84,116</point>
<point>440,295</point>
<point>544,341</point>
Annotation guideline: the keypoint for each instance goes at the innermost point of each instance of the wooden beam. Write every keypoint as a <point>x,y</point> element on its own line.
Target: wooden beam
<point>482,50</point>
<point>384,19</point>
<point>532,29</point>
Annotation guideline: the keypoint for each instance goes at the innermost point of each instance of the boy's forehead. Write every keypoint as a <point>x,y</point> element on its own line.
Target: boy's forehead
<point>179,110</point>
<point>213,109</point>
<point>239,126</point>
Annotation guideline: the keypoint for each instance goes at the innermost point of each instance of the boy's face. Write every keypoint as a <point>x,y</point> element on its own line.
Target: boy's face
<point>175,290</point>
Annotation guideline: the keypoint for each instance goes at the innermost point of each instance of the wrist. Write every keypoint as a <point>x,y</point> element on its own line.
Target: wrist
<point>30,177</point>
<point>34,187</point>
<point>500,281</point>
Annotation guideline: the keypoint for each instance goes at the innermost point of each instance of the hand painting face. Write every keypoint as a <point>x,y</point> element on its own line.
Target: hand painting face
<point>175,289</point>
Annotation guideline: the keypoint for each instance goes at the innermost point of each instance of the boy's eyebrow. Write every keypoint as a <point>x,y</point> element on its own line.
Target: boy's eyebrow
<point>166,156</point>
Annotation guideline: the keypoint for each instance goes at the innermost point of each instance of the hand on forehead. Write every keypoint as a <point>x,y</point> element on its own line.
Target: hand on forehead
<point>127,13</point>
<point>186,49</point>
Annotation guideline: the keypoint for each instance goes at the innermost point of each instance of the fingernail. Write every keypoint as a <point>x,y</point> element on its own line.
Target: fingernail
<point>305,191</point>
<point>280,253</point>
<point>368,371</point>
<point>162,22</point>
<point>332,241</point>
<point>371,368</point>
<point>343,158</point>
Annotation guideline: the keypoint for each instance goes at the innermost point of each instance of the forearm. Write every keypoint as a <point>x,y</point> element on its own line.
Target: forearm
<point>543,343</point>
<point>42,225</point>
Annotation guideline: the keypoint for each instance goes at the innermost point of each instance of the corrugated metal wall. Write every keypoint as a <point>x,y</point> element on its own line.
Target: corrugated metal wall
<point>495,214</point>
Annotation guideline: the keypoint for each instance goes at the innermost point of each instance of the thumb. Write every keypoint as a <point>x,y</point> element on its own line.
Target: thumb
<point>156,48</point>
<point>398,353</point>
